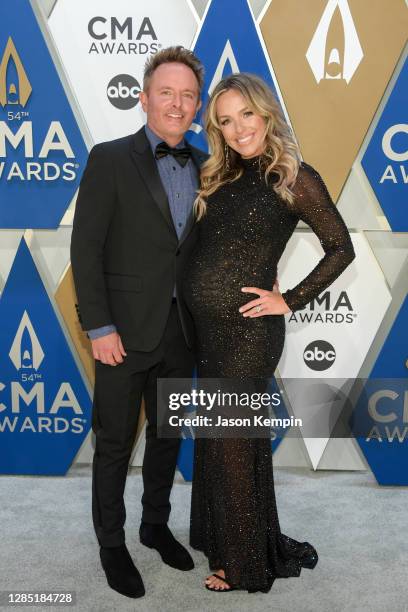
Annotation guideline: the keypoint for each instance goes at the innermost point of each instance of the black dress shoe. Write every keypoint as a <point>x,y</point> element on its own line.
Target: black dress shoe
<point>121,573</point>
<point>171,551</point>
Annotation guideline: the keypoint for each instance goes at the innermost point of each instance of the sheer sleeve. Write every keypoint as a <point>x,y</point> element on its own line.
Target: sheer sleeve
<point>314,206</point>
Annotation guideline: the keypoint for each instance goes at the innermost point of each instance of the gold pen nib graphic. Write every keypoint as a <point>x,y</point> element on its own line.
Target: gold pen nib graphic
<point>334,52</point>
<point>13,93</point>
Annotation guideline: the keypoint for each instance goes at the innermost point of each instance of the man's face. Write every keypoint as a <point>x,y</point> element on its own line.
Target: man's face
<point>171,101</point>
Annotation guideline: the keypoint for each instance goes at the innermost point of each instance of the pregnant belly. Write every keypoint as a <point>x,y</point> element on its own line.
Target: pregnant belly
<point>229,344</point>
<point>212,287</point>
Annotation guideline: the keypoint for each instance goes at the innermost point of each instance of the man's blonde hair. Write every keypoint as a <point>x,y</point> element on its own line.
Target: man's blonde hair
<point>170,55</point>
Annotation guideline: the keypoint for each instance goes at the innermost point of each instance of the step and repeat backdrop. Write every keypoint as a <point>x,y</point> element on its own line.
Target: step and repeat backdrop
<point>70,76</point>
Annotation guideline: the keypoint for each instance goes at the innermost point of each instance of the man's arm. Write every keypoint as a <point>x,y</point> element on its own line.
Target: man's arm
<point>93,213</point>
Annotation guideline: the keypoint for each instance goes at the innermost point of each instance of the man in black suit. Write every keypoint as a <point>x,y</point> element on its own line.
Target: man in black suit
<point>133,232</point>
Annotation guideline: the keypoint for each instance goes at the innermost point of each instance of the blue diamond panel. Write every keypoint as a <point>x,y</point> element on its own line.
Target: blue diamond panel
<point>42,152</point>
<point>228,42</point>
<point>385,161</point>
<point>382,408</point>
<point>45,408</point>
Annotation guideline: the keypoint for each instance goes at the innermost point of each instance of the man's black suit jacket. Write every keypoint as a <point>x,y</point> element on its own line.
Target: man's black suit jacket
<point>125,254</point>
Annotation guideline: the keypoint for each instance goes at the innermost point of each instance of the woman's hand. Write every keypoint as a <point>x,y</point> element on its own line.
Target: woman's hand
<point>268,303</point>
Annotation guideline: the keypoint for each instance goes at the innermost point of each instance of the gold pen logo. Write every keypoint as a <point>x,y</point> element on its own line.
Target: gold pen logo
<point>26,351</point>
<point>335,50</point>
<point>13,93</point>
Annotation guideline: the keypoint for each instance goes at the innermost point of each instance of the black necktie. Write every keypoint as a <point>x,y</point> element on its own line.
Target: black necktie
<point>180,155</point>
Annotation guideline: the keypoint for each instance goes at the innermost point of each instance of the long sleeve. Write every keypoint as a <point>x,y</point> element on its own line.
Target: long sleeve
<point>93,213</point>
<point>314,206</point>
<point>100,332</point>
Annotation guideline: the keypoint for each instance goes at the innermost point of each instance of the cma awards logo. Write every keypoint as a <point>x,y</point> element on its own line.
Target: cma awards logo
<point>328,307</point>
<point>26,354</point>
<point>14,93</point>
<point>394,133</point>
<point>388,410</point>
<point>335,51</point>
<point>17,132</point>
<point>26,351</point>
<point>111,36</point>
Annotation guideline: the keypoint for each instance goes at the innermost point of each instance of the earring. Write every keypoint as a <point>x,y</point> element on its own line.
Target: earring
<point>227,157</point>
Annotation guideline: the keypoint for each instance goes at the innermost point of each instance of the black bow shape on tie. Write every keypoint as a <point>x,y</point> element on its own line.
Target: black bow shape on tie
<point>181,155</point>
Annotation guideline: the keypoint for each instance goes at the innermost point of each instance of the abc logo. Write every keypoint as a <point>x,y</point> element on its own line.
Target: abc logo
<point>319,355</point>
<point>123,91</point>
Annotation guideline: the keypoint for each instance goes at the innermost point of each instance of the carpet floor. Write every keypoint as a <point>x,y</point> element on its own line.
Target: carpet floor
<point>357,527</point>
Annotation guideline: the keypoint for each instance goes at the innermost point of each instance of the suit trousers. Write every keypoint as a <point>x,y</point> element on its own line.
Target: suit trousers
<point>116,407</point>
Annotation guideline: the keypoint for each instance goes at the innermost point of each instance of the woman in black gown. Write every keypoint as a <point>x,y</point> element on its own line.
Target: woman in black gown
<point>254,190</point>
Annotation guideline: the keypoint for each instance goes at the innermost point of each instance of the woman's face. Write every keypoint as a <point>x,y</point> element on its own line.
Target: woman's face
<point>242,129</point>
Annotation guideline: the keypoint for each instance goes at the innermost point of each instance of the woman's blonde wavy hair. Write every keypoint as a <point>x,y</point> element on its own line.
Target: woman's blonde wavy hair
<point>281,154</point>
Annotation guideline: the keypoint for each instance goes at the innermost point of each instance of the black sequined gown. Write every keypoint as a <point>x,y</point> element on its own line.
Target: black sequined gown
<point>234,518</point>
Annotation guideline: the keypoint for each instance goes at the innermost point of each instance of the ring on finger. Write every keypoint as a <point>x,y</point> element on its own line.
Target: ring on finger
<point>258,308</point>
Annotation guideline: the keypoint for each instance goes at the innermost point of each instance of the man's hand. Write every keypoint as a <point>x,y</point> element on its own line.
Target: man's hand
<point>108,349</point>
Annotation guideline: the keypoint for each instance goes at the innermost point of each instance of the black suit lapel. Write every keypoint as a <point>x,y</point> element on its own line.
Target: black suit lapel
<point>188,226</point>
<point>143,157</point>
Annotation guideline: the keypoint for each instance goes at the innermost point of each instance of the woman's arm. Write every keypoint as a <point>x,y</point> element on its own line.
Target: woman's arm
<point>315,207</point>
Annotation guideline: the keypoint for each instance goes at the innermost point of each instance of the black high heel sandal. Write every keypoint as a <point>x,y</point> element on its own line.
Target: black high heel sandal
<point>230,588</point>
